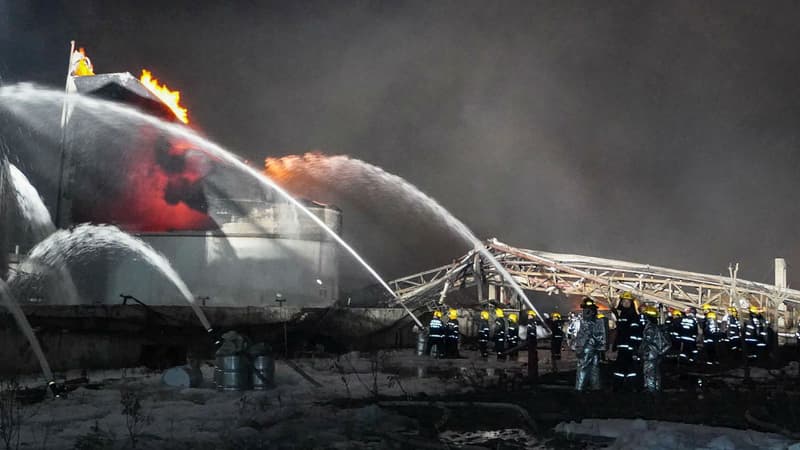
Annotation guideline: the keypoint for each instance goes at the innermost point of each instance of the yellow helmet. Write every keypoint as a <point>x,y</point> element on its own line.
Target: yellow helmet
<point>706,307</point>
<point>711,315</point>
<point>531,313</point>
<point>437,314</point>
<point>676,313</point>
<point>452,314</point>
<point>512,317</point>
<point>556,316</point>
<point>627,295</point>
<point>753,309</point>
<point>485,315</point>
<point>650,310</point>
<point>733,311</point>
<point>600,315</point>
<point>498,312</point>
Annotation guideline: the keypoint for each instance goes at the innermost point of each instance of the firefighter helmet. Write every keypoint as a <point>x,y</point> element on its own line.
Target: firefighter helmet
<point>512,318</point>
<point>733,311</point>
<point>556,316</point>
<point>711,315</point>
<point>600,315</point>
<point>753,309</point>
<point>588,302</point>
<point>498,312</point>
<point>452,314</point>
<point>706,307</point>
<point>437,314</point>
<point>531,313</point>
<point>485,315</point>
<point>650,310</point>
<point>627,295</point>
<point>676,313</point>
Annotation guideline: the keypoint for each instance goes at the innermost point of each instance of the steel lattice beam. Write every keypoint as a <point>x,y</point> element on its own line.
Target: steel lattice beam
<point>585,275</point>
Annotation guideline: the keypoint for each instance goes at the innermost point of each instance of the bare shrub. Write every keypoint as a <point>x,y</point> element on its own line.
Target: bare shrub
<point>135,418</point>
<point>10,414</point>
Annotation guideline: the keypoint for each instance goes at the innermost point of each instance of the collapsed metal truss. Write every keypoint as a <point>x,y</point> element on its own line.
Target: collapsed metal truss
<point>588,276</point>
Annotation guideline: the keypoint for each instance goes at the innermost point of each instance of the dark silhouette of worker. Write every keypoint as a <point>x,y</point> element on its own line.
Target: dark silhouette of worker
<point>512,336</point>
<point>500,326</point>
<point>436,332</point>
<point>452,335</point>
<point>655,345</point>
<point>556,326</point>
<point>484,333</point>
<point>712,336</point>
<point>626,344</point>
<point>588,345</point>
<point>755,334</point>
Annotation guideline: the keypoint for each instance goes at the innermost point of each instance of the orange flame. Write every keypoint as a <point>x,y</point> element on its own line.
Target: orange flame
<point>170,98</point>
<point>84,66</point>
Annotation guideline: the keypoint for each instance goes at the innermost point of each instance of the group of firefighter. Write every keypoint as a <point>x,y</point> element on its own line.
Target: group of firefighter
<point>641,342</point>
<point>505,342</point>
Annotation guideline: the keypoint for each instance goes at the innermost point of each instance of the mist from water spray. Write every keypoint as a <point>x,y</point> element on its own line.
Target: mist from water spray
<point>88,241</point>
<point>339,167</point>
<point>19,95</point>
<point>25,327</point>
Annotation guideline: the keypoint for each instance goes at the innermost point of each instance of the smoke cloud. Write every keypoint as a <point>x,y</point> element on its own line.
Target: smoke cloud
<point>659,132</point>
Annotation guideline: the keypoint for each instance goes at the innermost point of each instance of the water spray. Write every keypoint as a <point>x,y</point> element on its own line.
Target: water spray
<point>26,92</point>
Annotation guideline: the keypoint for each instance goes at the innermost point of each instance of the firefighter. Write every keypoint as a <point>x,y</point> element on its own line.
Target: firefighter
<point>556,326</point>
<point>452,335</point>
<point>755,334</point>
<point>484,333</point>
<point>500,326</point>
<point>512,333</point>
<point>655,344</point>
<point>712,335</point>
<point>626,344</point>
<point>533,346</point>
<point>733,331</point>
<point>673,326</point>
<point>573,325</point>
<point>589,343</point>
<point>435,345</point>
<point>530,325</point>
<point>604,320</point>
<point>687,334</point>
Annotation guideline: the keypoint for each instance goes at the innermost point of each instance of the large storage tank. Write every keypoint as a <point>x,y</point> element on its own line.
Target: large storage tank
<point>246,263</point>
<point>231,240</point>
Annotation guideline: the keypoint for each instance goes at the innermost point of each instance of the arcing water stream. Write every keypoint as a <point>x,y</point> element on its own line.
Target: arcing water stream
<point>15,99</point>
<point>22,94</point>
<point>30,204</point>
<point>322,168</point>
<point>13,306</point>
<point>84,241</point>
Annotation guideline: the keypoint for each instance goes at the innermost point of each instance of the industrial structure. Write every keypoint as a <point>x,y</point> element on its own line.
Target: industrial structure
<point>575,276</point>
<point>232,242</point>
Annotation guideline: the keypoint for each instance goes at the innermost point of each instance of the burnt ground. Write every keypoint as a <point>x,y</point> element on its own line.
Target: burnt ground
<point>417,402</point>
<point>764,398</point>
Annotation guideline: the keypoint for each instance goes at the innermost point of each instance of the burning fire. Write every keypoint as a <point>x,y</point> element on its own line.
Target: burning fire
<point>84,66</point>
<point>170,98</point>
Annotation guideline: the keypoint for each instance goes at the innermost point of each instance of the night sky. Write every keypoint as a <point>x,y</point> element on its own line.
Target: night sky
<point>660,132</point>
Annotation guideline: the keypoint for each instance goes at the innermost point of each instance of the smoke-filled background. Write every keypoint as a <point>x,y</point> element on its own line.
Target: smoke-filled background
<point>659,132</point>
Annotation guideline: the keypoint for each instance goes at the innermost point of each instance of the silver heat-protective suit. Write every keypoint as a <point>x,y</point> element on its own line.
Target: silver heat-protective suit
<point>589,343</point>
<point>655,344</point>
